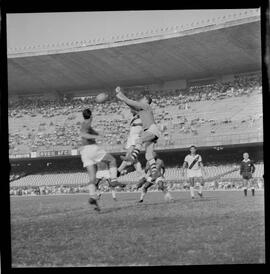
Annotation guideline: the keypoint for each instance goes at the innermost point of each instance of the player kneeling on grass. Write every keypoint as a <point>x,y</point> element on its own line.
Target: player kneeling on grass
<point>91,154</point>
<point>147,181</point>
<point>247,168</point>
<point>150,133</point>
<point>103,175</point>
<point>193,169</point>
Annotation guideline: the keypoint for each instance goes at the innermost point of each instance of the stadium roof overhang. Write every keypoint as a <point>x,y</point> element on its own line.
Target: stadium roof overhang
<point>201,52</point>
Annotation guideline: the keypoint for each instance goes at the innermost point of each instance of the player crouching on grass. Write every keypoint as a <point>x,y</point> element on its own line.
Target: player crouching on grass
<point>150,133</point>
<point>145,184</point>
<point>193,169</point>
<point>91,154</point>
<point>246,169</point>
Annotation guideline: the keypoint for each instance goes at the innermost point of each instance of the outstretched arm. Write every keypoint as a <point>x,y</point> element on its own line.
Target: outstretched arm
<point>137,105</point>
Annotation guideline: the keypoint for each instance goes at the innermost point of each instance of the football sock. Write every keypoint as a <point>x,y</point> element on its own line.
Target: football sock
<point>153,166</point>
<point>92,191</point>
<point>113,173</point>
<point>245,191</point>
<point>113,193</point>
<point>135,152</point>
<point>142,195</point>
<point>192,191</point>
<point>253,191</point>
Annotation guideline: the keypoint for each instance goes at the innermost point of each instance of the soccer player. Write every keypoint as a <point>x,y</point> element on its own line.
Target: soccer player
<point>193,169</point>
<point>134,134</point>
<point>150,132</point>
<point>246,169</point>
<point>91,154</point>
<point>145,184</point>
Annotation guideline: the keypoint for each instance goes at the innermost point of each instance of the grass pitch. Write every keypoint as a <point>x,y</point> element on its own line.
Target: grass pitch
<point>224,227</point>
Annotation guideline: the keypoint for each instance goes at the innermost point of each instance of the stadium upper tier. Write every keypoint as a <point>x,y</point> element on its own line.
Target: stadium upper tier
<point>216,46</point>
<point>220,113</point>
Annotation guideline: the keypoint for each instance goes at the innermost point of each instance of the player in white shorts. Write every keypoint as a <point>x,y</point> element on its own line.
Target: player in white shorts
<point>91,154</point>
<point>193,171</point>
<point>134,134</point>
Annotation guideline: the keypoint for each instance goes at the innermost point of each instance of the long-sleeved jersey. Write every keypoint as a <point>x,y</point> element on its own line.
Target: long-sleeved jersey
<point>247,167</point>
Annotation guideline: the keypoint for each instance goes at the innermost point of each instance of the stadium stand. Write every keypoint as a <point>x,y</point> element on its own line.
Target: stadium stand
<point>204,110</point>
<point>58,183</point>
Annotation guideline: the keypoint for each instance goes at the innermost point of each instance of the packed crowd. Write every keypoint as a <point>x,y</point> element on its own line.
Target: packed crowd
<point>47,124</point>
<point>228,184</point>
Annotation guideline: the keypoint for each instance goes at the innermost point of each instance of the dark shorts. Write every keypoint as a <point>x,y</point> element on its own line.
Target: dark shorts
<point>247,175</point>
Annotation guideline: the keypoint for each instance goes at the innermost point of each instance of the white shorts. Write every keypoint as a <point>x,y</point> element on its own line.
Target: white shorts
<point>131,141</point>
<point>103,174</point>
<point>194,173</point>
<point>154,130</point>
<point>92,154</point>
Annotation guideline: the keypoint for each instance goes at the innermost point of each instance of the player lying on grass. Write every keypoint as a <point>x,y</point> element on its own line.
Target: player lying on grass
<point>145,184</point>
<point>247,168</point>
<point>134,135</point>
<point>91,154</point>
<point>103,175</point>
<point>193,170</point>
<point>150,133</point>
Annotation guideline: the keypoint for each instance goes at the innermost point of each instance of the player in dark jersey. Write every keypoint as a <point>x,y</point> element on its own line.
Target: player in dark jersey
<point>247,168</point>
<point>147,181</point>
<point>91,154</point>
<point>150,133</point>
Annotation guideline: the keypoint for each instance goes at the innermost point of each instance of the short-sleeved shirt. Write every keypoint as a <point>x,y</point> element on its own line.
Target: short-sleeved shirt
<point>193,161</point>
<point>146,115</point>
<point>86,128</point>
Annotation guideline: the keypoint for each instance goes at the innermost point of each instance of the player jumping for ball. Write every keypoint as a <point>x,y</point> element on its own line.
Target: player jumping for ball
<point>91,154</point>
<point>247,168</point>
<point>150,133</point>
<point>193,169</point>
<point>145,184</point>
<point>134,134</point>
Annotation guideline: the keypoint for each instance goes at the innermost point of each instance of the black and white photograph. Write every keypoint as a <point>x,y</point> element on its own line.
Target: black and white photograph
<point>135,138</point>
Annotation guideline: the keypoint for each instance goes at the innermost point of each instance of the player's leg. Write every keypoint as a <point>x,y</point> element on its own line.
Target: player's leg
<point>91,170</point>
<point>113,170</point>
<point>98,181</point>
<point>201,184</point>
<point>145,137</point>
<point>144,190</point>
<point>252,186</point>
<point>245,185</point>
<point>141,182</point>
<point>191,187</point>
<point>149,156</point>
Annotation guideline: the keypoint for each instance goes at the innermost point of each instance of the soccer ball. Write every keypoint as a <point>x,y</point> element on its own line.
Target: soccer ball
<point>101,98</point>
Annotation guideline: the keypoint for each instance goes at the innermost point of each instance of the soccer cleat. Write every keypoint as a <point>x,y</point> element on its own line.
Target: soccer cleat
<point>115,199</point>
<point>93,202</point>
<point>140,201</point>
<point>192,197</point>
